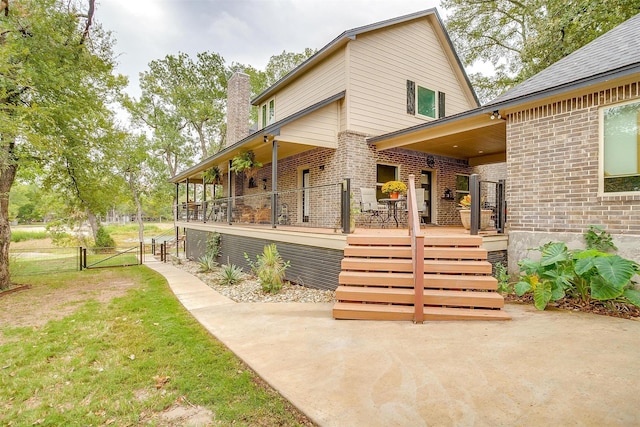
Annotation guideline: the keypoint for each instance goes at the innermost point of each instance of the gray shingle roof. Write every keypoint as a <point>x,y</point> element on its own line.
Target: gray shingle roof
<point>612,51</point>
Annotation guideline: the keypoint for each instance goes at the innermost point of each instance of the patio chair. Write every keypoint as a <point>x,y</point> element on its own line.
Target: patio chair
<point>369,204</point>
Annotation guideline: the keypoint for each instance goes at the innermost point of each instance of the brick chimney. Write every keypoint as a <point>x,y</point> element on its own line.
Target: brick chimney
<point>238,107</point>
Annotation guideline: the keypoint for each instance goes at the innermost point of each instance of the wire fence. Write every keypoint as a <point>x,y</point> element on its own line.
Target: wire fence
<point>34,261</point>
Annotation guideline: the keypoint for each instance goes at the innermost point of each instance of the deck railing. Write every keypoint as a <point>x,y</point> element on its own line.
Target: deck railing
<point>487,196</point>
<point>417,251</point>
<point>320,206</point>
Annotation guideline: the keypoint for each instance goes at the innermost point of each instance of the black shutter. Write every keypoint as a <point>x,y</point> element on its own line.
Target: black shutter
<point>411,97</point>
<point>441,102</point>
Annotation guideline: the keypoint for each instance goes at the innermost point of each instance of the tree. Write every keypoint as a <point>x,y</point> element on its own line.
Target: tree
<point>55,81</point>
<point>522,37</point>
<point>191,95</point>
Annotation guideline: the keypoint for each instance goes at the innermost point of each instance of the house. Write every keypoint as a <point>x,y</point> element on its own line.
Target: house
<point>572,146</point>
<point>316,142</point>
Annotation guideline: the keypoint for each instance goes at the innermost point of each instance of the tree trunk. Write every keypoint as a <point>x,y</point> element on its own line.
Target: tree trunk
<point>7,176</point>
<point>93,222</point>
<point>136,199</point>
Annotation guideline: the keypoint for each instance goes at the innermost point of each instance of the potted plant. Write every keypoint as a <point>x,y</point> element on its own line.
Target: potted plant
<point>465,214</point>
<point>394,188</point>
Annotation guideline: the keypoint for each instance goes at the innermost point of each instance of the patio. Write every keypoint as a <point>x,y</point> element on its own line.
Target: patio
<point>528,371</point>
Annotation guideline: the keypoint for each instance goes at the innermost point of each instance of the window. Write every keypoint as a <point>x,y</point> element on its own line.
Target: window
<point>462,187</point>
<point>384,173</point>
<point>425,102</point>
<point>268,113</point>
<point>621,147</point>
<point>272,111</point>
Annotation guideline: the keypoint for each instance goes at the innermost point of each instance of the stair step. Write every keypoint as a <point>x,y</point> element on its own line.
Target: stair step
<point>405,265</point>
<point>437,281</point>
<point>448,313</point>
<point>405,252</point>
<point>382,240</point>
<point>431,296</point>
<point>359,311</point>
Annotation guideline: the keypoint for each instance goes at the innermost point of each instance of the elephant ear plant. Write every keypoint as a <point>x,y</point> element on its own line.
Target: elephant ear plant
<point>584,274</point>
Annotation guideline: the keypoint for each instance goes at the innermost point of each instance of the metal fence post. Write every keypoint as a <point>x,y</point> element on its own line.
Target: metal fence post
<point>502,206</point>
<point>80,257</point>
<point>141,253</point>
<point>84,257</point>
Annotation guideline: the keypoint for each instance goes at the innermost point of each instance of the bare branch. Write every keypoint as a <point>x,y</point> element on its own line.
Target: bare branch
<point>85,34</point>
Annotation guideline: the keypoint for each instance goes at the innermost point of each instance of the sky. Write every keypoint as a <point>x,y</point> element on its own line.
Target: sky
<point>243,31</point>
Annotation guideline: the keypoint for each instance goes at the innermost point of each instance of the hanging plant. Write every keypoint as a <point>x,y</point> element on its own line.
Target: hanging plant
<point>212,176</point>
<point>245,162</point>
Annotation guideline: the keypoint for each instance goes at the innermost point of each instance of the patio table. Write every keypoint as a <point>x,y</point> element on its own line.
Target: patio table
<point>392,209</point>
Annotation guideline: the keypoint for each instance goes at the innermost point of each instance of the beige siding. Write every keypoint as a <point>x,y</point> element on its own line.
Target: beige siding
<point>319,128</point>
<point>321,82</point>
<point>380,64</point>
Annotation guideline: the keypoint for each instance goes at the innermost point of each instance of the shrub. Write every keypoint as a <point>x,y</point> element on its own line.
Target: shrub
<point>270,268</point>
<point>503,278</point>
<point>229,274</point>
<point>103,239</point>
<point>214,241</point>
<point>597,238</point>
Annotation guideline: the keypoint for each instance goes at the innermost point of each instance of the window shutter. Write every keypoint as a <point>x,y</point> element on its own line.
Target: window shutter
<point>441,104</point>
<point>411,97</point>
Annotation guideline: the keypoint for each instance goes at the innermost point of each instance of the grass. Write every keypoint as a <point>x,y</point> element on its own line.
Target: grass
<point>125,361</point>
<point>24,235</point>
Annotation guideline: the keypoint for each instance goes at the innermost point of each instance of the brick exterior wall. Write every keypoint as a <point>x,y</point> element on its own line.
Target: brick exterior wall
<point>553,177</point>
<point>238,108</point>
<point>361,159</point>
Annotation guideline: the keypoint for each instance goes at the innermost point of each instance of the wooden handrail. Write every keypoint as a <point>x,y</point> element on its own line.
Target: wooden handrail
<point>417,251</point>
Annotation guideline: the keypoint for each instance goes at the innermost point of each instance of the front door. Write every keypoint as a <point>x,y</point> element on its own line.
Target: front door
<point>425,183</point>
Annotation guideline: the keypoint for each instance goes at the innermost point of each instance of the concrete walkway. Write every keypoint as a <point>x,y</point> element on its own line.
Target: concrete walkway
<point>541,368</point>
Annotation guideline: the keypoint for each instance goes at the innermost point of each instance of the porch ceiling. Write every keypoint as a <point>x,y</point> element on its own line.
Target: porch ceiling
<point>261,149</point>
<point>478,138</point>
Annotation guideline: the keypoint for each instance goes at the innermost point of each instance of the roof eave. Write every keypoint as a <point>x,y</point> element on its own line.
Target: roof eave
<point>571,86</point>
<point>271,130</point>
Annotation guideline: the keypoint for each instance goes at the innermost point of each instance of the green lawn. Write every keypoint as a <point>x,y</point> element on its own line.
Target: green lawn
<point>123,361</point>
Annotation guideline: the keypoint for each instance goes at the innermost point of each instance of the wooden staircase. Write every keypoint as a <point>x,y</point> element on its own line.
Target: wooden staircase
<point>376,282</point>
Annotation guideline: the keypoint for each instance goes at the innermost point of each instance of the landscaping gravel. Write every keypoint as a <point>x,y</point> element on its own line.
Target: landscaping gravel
<point>249,290</point>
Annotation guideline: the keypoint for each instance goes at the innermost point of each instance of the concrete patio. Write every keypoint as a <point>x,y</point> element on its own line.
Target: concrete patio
<point>541,368</point>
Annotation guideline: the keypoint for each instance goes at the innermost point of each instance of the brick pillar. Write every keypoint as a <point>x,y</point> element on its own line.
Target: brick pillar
<point>238,107</point>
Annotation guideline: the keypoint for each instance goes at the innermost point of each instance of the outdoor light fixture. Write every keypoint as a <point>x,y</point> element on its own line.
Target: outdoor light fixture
<point>264,183</point>
<point>495,114</point>
<point>431,162</point>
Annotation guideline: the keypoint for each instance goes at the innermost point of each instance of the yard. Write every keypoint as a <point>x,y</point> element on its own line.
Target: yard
<point>115,347</point>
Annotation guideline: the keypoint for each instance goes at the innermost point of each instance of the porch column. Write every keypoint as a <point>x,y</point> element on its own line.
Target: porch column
<point>176,208</point>
<point>474,191</point>
<point>274,183</point>
<point>229,193</point>
<point>204,201</point>
<point>187,203</point>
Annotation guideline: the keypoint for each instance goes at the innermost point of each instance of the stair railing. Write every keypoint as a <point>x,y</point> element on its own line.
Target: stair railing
<point>417,251</point>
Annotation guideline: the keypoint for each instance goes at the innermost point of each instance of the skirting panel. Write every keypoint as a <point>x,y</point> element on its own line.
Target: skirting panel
<point>309,266</point>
